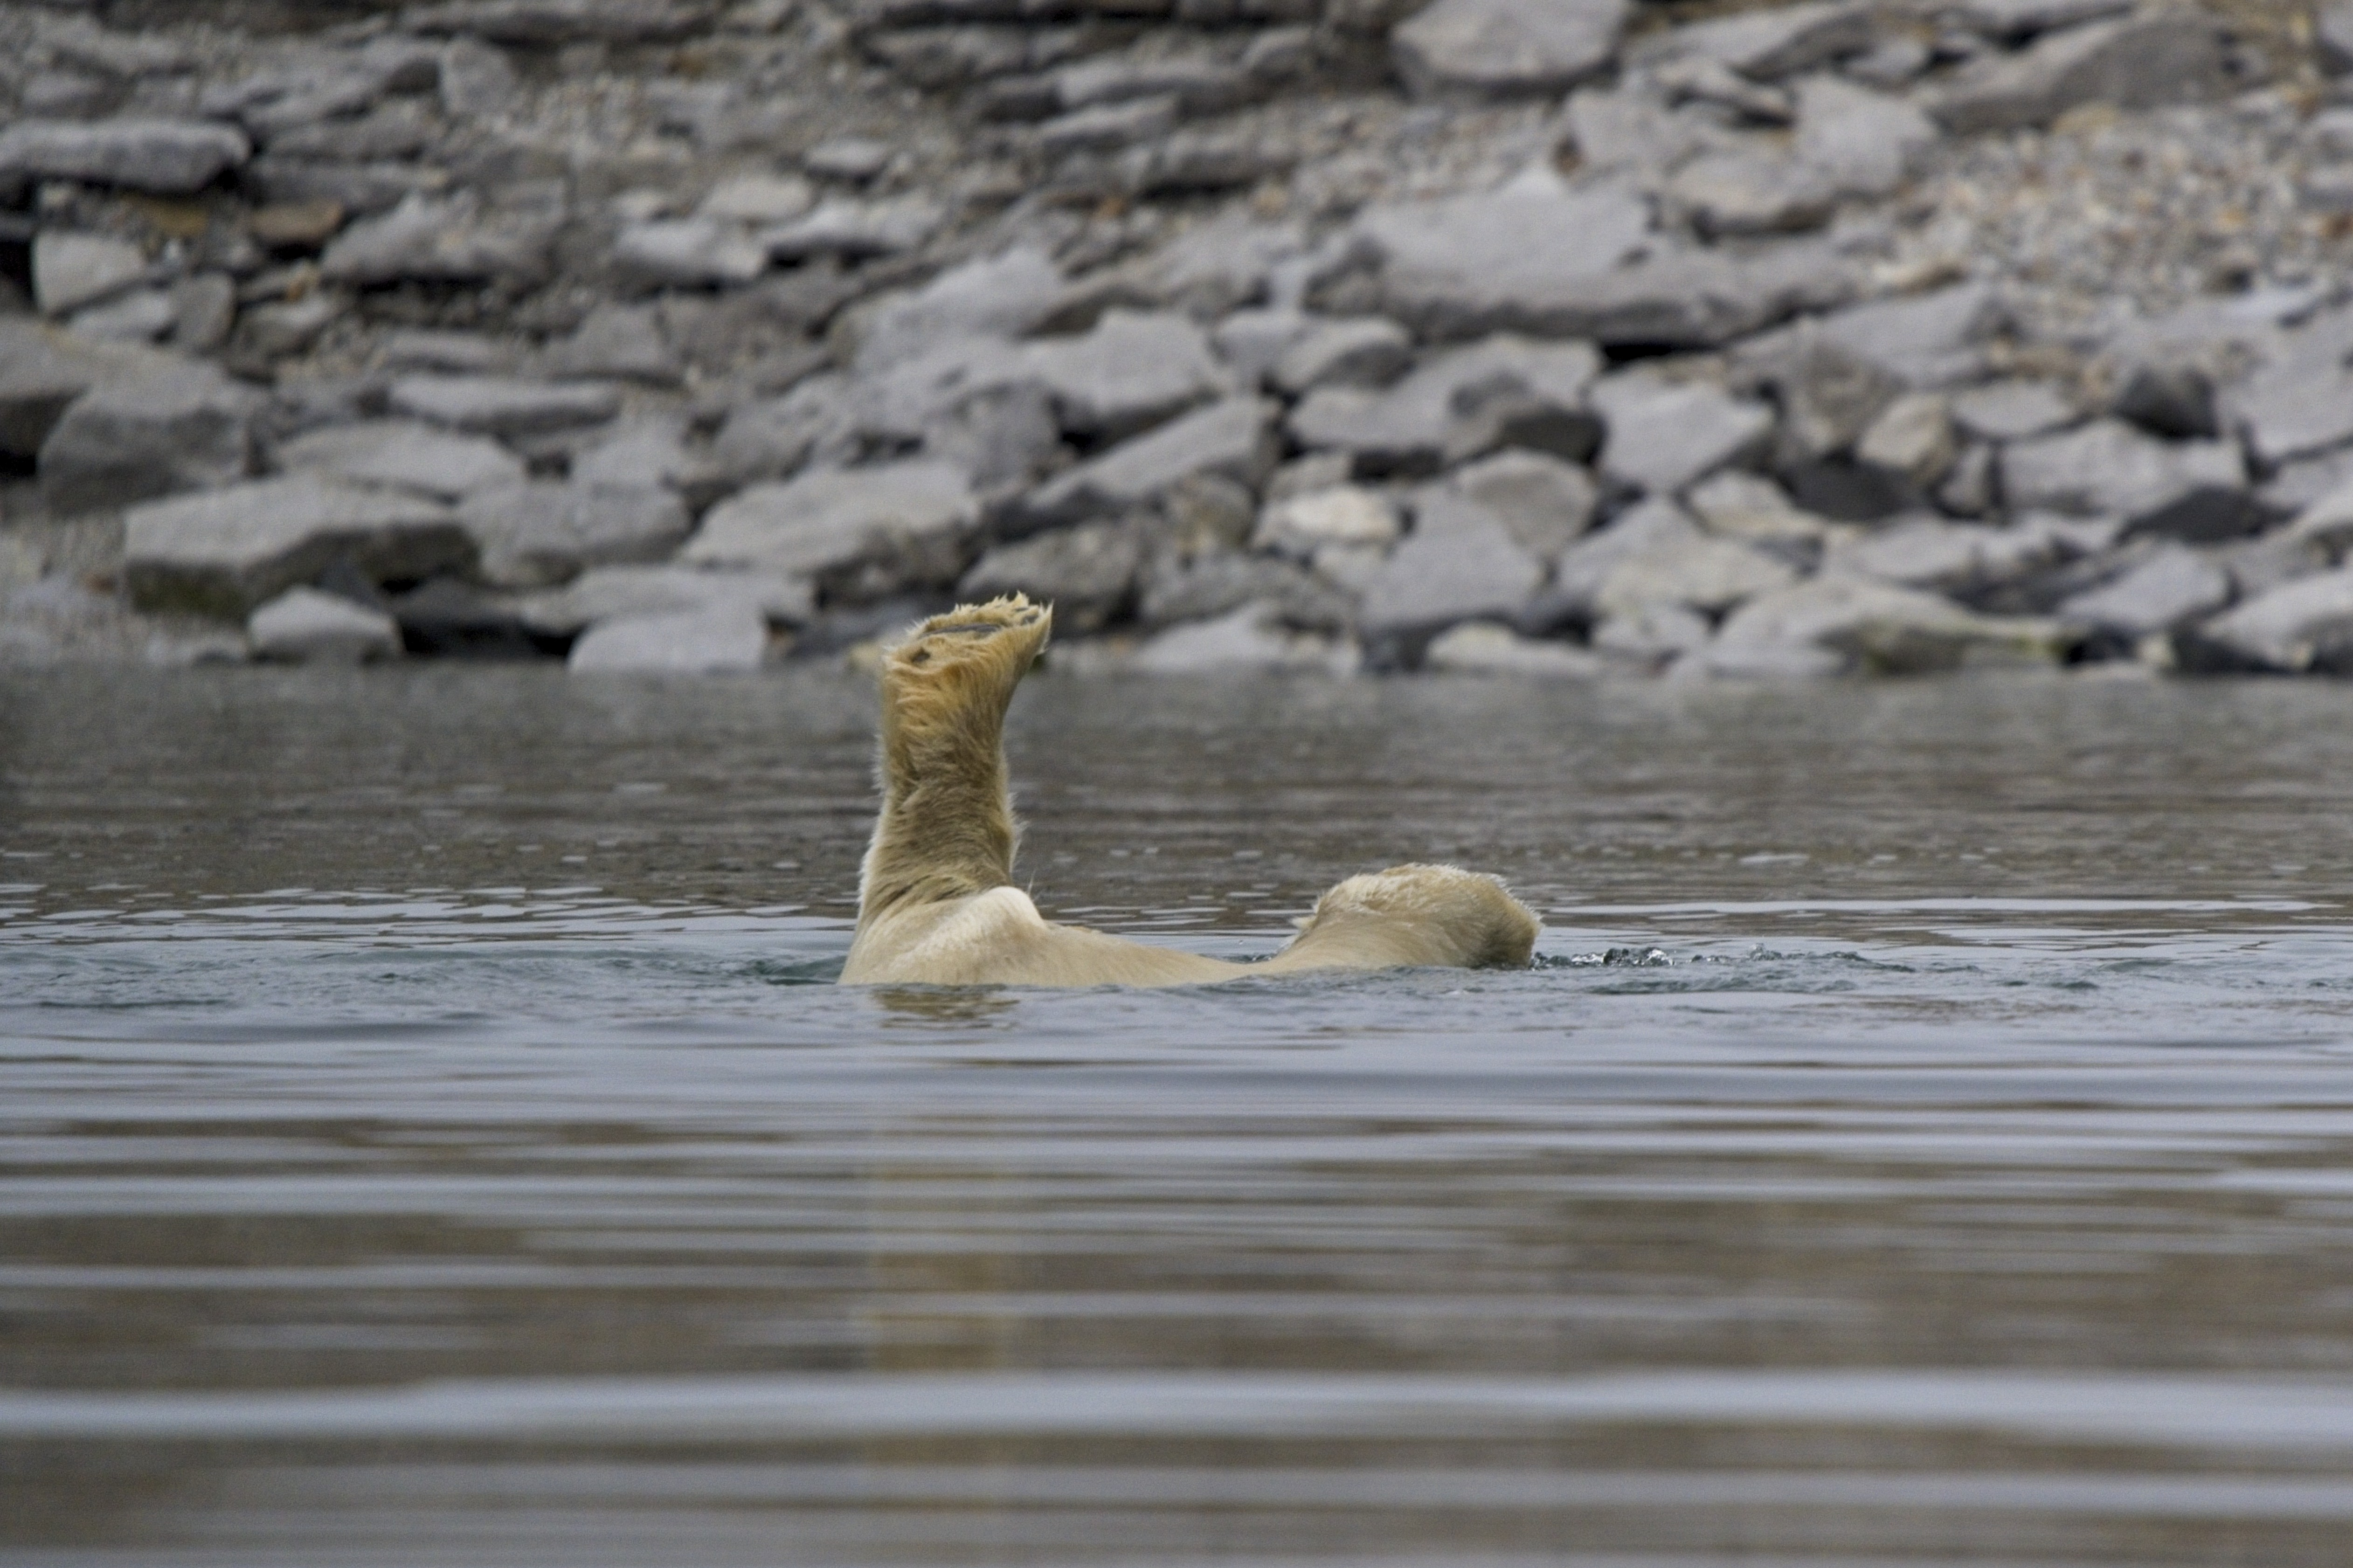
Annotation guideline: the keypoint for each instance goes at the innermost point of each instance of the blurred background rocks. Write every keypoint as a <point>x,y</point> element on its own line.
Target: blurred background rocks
<point>1552,338</point>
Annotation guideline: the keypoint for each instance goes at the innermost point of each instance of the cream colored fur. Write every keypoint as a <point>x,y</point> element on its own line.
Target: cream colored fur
<point>936,902</point>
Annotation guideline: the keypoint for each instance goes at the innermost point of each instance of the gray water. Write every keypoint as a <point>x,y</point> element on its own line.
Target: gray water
<point>427,1134</point>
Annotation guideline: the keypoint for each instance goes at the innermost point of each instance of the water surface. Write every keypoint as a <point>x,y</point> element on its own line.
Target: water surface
<point>429,1135</point>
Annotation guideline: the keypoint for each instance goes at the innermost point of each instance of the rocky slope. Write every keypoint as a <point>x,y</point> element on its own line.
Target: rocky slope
<point>1554,336</point>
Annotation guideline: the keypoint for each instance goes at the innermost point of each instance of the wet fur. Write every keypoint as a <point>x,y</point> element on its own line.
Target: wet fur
<point>936,902</point>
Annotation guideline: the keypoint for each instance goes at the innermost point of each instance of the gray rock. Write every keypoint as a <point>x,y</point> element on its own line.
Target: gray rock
<point>287,327</point>
<point>87,47</point>
<point>860,532</point>
<point>1830,394</point>
<point>190,427</point>
<point>1768,45</point>
<point>2195,492</point>
<point>1460,562</point>
<point>1860,143</point>
<point>223,552</point>
<point>1747,192</point>
<point>1652,635</point>
<point>1483,648</point>
<point>1218,266</point>
<point>1912,438</point>
<point>2332,37</point>
<point>548,23</point>
<point>2016,19</point>
<point>694,252</point>
<point>1350,516</point>
<point>1175,589</point>
<point>1201,81</point>
<point>140,316</point>
<point>1845,625</point>
<point>1635,128</point>
<point>1655,527</point>
<point>452,241</point>
<point>645,454</point>
<point>1500,49</point>
<point>71,270</point>
<point>67,95</point>
<point>1107,127</point>
<point>501,405</point>
<point>1694,79</point>
<point>1251,638</point>
<point>2289,629</point>
<point>1007,295</point>
<point>853,230</point>
<point>1753,508</point>
<point>621,342</point>
<point>392,131</point>
<point>1583,265</point>
<point>402,454</point>
<point>1959,558</point>
<point>1920,341</point>
<point>758,198</point>
<point>1547,504</point>
<point>1232,439</point>
<point>170,157</point>
<point>2168,588</point>
<point>1358,350</point>
<point>1698,573</point>
<point>204,310</point>
<point>360,189</point>
<point>43,370</point>
<point>535,534</point>
<point>2011,410</point>
<point>2298,406</point>
<point>710,640</point>
<point>1088,574</point>
<point>303,626</point>
<point>1253,341</point>
<point>1664,434</point>
<point>2175,400</point>
<point>1132,371</point>
<point>2135,62</point>
<point>607,592</point>
<point>1457,405</point>
<point>769,438</point>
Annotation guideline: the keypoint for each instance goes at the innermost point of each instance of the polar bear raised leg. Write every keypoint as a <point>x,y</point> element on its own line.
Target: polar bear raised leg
<point>936,900</point>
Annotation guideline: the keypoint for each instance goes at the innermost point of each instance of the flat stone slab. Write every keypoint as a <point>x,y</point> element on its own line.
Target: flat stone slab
<point>440,240</point>
<point>2289,629</point>
<point>607,592</point>
<point>2174,586</point>
<point>503,405</point>
<point>1455,405</point>
<point>44,369</point>
<point>170,157</point>
<point>71,270</point>
<point>227,550</point>
<point>1252,638</point>
<point>1133,371</point>
<point>1767,44</point>
<point>2192,491</point>
<point>303,626</point>
<point>536,533</point>
<point>1232,439</point>
<point>406,454</point>
<point>2134,62</point>
<point>1847,625</point>
<point>716,639</point>
<point>1506,48</point>
<point>185,427</point>
<point>552,22</point>
<point>896,523</point>
<point>1483,648</point>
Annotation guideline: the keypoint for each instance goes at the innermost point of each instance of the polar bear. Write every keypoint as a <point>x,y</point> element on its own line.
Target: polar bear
<point>936,902</point>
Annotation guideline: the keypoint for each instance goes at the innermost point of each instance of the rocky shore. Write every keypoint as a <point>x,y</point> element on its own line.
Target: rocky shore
<point>1561,337</point>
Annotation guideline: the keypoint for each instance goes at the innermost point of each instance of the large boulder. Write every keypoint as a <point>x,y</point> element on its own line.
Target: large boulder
<point>1132,371</point>
<point>170,157</point>
<point>861,533</point>
<point>2170,587</point>
<point>532,534</point>
<point>1500,49</point>
<point>189,428</point>
<point>1665,434</point>
<point>1087,574</point>
<point>227,550</point>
